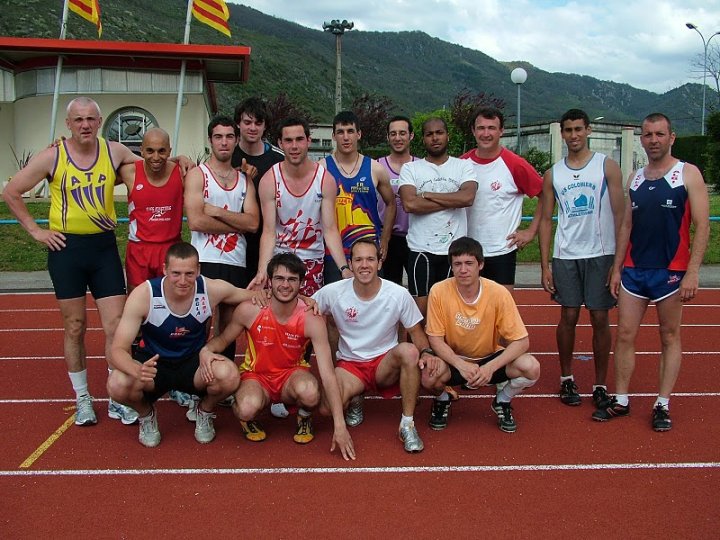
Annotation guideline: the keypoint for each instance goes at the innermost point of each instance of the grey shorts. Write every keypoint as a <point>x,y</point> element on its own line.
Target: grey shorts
<point>583,281</point>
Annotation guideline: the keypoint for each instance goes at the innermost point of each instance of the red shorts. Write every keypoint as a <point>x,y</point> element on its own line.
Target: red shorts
<point>313,277</point>
<point>365,371</point>
<point>144,260</point>
<point>273,384</point>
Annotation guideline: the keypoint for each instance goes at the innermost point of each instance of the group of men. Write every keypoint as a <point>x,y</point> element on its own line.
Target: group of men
<point>321,238</point>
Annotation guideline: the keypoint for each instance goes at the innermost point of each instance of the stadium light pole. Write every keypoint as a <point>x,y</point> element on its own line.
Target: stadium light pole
<point>691,26</point>
<point>338,28</point>
<point>518,76</point>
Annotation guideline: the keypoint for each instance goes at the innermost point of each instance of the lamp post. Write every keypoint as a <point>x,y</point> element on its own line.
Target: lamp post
<point>338,28</point>
<point>518,76</point>
<point>691,26</point>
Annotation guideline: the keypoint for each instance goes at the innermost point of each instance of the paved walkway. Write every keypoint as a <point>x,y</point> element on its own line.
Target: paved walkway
<point>528,275</point>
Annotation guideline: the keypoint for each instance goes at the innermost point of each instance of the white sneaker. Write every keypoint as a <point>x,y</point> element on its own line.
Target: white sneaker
<point>84,412</point>
<point>204,428</point>
<point>149,432</point>
<point>278,410</point>
<point>191,413</point>
<point>125,414</point>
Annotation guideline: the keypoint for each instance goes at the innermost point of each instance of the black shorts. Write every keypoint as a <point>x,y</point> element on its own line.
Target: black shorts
<point>88,261</point>
<point>172,375</point>
<point>235,275</point>
<point>501,269</point>
<point>425,270</point>
<point>499,376</point>
<point>396,259</point>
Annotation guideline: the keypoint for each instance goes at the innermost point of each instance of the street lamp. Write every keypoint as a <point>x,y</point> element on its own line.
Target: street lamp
<point>691,26</point>
<point>338,28</point>
<point>518,76</point>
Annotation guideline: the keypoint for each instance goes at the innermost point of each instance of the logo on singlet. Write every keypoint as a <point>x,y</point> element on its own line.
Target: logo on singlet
<point>351,314</point>
<point>495,185</point>
<point>179,332</point>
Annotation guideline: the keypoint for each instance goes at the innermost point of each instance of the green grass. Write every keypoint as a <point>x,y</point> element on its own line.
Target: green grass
<point>20,253</point>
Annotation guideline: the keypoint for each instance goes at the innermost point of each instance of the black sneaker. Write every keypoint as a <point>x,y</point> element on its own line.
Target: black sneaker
<point>661,419</point>
<point>439,414</point>
<point>612,410</point>
<point>568,393</point>
<point>601,397</point>
<point>506,422</point>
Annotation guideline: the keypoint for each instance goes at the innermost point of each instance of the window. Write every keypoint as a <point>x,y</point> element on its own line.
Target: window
<point>128,126</point>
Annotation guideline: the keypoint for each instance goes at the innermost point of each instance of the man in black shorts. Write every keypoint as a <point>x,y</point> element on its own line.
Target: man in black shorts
<point>168,357</point>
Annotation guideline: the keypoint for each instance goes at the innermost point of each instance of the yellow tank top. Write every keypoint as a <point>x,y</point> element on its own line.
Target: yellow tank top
<point>81,200</point>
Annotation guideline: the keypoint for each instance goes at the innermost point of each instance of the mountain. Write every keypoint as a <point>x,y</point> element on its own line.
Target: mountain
<point>418,72</point>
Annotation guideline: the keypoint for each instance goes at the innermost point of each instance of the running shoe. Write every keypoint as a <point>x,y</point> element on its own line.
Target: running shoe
<point>569,393</point>
<point>304,433</point>
<point>84,412</point>
<point>125,414</point>
<point>354,415</point>
<point>409,436</point>
<point>612,410</point>
<point>204,428</point>
<point>149,433</point>
<point>439,414</point>
<point>278,410</point>
<point>191,413</point>
<point>661,419</point>
<point>181,398</point>
<point>601,398</point>
<point>506,421</point>
<point>253,431</point>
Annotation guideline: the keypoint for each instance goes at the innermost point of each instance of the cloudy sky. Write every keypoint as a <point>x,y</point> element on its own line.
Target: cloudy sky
<point>643,43</point>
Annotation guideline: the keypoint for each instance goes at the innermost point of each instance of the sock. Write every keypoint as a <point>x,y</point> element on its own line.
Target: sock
<point>443,397</point>
<point>568,378</point>
<point>596,386</point>
<point>405,420</point>
<point>302,412</point>
<point>79,382</point>
<point>664,401</point>
<point>513,388</point>
<point>622,399</point>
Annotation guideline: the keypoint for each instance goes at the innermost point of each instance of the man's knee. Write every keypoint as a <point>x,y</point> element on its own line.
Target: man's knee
<point>247,406</point>
<point>599,319</point>
<point>528,366</point>
<point>226,374</point>
<point>119,386</point>
<point>569,316</point>
<point>307,391</point>
<point>407,355</point>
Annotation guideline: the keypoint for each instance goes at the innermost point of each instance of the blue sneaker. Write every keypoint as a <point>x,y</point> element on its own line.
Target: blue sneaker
<point>125,414</point>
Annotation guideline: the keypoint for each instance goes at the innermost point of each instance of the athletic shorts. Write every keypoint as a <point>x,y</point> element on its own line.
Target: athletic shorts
<point>583,281</point>
<point>425,270</point>
<point>235,275</point>
<point>396,259</point>
<point>499,376</point>
<point>313,276</point>
<point>272,383</point>
<point>651,283</point>
<point>365,371</point>
<point>144,260</point>
<point>501,268</point>
<point>88,261</point>
<point>172,375</point>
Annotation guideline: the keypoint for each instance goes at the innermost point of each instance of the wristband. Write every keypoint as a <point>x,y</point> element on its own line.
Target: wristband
<point>427,350</point>
<point>344,267</point>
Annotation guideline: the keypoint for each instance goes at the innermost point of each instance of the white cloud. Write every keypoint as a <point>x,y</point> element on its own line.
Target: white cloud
<point>643,43</point>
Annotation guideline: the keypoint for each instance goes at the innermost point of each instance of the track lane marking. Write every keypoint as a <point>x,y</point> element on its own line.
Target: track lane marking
<point>40,450</point>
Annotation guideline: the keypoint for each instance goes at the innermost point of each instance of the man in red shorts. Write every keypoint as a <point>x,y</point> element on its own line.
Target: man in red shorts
<point>274,369</point>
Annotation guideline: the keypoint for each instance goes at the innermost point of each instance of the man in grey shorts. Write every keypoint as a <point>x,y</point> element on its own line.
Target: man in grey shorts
<point>589,192</point>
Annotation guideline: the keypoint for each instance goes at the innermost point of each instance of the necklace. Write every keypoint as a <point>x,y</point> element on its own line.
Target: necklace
<point>225,176</point>
<point>347,174</point>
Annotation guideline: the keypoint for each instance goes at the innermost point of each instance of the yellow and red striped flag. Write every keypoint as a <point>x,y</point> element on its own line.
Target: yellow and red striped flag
<point>87,9</point>
<point>213,13</point>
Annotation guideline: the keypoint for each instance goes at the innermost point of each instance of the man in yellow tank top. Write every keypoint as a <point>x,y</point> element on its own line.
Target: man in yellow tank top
<point>82,252</point>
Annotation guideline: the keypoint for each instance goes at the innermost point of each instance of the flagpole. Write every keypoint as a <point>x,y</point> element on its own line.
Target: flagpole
<point>58,73</point>
<point>181,85</point>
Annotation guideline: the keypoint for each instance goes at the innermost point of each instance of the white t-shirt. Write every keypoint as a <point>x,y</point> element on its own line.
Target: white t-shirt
<point>368,328</point>
<point>433,233</point>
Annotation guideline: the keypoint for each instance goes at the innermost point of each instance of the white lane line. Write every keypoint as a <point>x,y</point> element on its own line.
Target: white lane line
<point>373,470</point>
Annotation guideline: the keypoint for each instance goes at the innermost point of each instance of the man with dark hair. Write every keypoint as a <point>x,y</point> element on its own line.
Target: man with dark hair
<point>169,353</point>
<point>359,181</point>
<point>654,262</point>
<point>435,191</point>
<point>504,178</point>
<point>275,369</point>
<point>474,326</point>
<point>253,120</point>
<point>367,311</point>
<point>588,188</point>
<point>221,206</point>
<point>399,135</point>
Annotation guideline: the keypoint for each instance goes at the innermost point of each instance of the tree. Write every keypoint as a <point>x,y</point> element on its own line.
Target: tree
<point>279,108</point>
<point>462,111</point>
<point>713,73</point>
<point>540,160</point>
<point>712,151</point>
<point>373,112</point>
<point>455,144</point>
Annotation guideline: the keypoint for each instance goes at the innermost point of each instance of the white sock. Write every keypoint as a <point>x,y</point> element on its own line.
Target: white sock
<point>513,388</point>
<point>622,399</point>
<point>79,382</point>
<point>405,420</point>
<point>664,401</point>
<point>596,386</point>
<point>443,397</point>
<point>302,412</point>
<point>568,378</point>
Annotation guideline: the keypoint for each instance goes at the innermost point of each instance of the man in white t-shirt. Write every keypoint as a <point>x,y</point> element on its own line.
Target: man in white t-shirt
<point>435,192</point>
<point>367,311</point>
<point>504,178</point>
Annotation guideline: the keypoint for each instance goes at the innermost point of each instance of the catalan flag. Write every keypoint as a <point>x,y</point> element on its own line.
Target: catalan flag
<point>213,13</point>
<point>87,9</point>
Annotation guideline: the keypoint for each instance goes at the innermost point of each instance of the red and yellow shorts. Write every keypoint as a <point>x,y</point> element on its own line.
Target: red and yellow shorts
<point>273,383</point>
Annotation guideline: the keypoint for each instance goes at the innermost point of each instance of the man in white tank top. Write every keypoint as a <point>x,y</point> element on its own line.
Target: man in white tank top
<point>588,188</point>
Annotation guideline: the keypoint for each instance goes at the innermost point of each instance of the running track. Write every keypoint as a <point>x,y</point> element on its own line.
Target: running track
<point>560,474</point>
